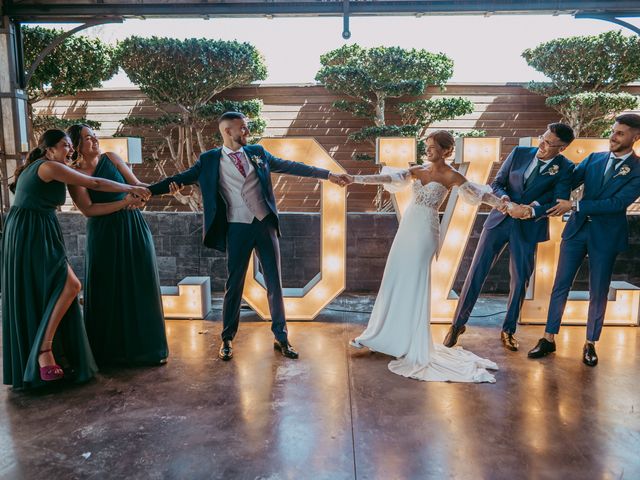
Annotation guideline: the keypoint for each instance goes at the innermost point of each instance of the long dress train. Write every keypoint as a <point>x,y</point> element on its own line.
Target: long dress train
<point>399,323</point>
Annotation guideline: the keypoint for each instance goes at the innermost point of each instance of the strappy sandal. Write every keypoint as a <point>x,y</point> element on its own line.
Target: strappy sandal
<point>50,373</point>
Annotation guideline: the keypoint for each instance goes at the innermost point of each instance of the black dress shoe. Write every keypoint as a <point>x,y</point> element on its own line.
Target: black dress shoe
<point>509,341</point>
<point>285,348</point>
<point>452,335</point>
<point>542,349</point>
<point>589,355</point>
<point>226,350</point>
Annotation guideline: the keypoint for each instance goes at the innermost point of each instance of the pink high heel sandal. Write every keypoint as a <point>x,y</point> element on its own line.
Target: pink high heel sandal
<point>50,373</point>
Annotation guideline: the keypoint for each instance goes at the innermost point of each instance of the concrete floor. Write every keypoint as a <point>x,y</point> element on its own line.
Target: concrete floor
<point>337,413</point>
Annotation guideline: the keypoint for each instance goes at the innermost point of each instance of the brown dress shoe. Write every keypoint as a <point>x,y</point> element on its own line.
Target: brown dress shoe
<point>509,341</point>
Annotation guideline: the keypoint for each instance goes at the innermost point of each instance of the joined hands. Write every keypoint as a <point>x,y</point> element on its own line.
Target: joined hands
<point>341,179</point>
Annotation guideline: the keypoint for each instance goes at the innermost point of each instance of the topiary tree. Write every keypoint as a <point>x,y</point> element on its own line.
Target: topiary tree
<point>181,77</point>
<point>78,63</point>
<point>586,75</point>
<point>374,76</point>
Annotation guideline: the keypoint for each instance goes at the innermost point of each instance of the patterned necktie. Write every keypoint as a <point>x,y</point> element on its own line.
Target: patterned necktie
<point>608,175</point>
<point>534,173</point>
<point>237,160</point>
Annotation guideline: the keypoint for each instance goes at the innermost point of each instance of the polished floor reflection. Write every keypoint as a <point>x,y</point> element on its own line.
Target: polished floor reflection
<point>337,412</point>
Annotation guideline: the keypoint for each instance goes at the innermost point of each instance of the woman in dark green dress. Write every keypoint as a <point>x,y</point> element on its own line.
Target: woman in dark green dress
<point>41,320</point>
<point>122,302</point>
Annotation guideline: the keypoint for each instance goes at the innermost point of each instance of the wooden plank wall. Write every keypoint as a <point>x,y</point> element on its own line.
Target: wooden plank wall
<point>506,110</point>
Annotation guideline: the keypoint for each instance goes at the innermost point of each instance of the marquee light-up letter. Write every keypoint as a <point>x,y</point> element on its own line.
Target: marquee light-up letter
<point>623,307</point>
<point>190,299</point>
<point>475,157</point>
<point>307,302</point>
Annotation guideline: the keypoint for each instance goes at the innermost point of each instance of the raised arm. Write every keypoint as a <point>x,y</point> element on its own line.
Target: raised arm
<point>50,171</point>
<point>299,169</point>
<point>393,179</point>
<point>82,200</point>
<point>188,177</point>
<point>474,193</point>
<point>382,178</point>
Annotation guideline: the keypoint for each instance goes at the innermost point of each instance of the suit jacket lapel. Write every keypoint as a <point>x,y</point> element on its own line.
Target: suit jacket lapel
<point>617,179</point>
<point>544,173</point>
<point>597,174</point>
<point>521,171</point>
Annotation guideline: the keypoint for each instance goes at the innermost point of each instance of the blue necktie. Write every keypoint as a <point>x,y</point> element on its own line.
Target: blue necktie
<point>608,175</point>
<point>534,173</point>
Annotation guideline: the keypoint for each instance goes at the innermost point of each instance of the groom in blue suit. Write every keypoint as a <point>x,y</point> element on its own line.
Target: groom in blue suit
<point>240,215</point>
<point>597,228</point>
<point>532,178</point>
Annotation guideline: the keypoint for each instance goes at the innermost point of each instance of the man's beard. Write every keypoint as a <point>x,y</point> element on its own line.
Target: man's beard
<point>240,140</point>
<point>618,147</point>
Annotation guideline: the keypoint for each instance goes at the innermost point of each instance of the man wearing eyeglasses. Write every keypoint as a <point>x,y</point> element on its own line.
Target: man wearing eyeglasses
<point>597,229</point>
<point>533,179</point>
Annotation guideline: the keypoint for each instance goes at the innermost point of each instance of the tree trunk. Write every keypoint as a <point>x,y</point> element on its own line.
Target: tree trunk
<point>201,145</point>
<point>380,104</point>
<point>189,144</point>
<point>180,159</point>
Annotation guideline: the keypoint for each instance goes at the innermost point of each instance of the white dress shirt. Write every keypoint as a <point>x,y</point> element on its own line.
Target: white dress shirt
<point>620,160</point>
<point>532,165</point>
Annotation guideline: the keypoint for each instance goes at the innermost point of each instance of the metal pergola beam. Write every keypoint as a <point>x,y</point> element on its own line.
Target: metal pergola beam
<point>610,17</point>
<point>30,11</point>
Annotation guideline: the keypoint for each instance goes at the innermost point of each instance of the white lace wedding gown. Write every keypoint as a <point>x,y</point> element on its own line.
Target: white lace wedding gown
<point>399,323</point>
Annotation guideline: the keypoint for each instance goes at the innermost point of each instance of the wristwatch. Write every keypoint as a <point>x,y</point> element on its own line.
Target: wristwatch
<point>574,205</point>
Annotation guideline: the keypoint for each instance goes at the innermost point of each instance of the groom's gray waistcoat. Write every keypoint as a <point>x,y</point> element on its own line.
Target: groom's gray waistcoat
<point>242,195</point>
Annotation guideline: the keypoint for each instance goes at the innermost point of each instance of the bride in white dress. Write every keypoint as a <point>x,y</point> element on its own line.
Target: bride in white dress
<point>399,323</point>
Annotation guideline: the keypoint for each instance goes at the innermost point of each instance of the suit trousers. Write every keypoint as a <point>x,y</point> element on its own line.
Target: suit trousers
<point>242,240</point>
<point>521,264</point>
<point>601,260</point>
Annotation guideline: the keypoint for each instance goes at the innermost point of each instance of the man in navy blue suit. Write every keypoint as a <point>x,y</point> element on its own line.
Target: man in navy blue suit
<point>532,178</point>
<point>240,215</point>
<point>597,228</point>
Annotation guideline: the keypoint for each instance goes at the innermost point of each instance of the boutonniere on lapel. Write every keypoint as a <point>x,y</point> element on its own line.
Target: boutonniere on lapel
<point>552,170</point>
<point>624,170</point>
<point>257,159</point>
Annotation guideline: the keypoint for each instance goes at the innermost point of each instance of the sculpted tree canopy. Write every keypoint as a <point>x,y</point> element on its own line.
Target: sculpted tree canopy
<point>586,76</point>
<point>373,76</point>
<point>181,78</point>
<point>78,63</point>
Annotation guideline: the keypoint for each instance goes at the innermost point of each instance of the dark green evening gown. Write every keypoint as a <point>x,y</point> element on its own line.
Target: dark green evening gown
<point>34,272</point>
<point>122,303</point>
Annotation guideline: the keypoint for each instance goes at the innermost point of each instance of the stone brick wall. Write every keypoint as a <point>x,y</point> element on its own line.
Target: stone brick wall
<point>369,237</point>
